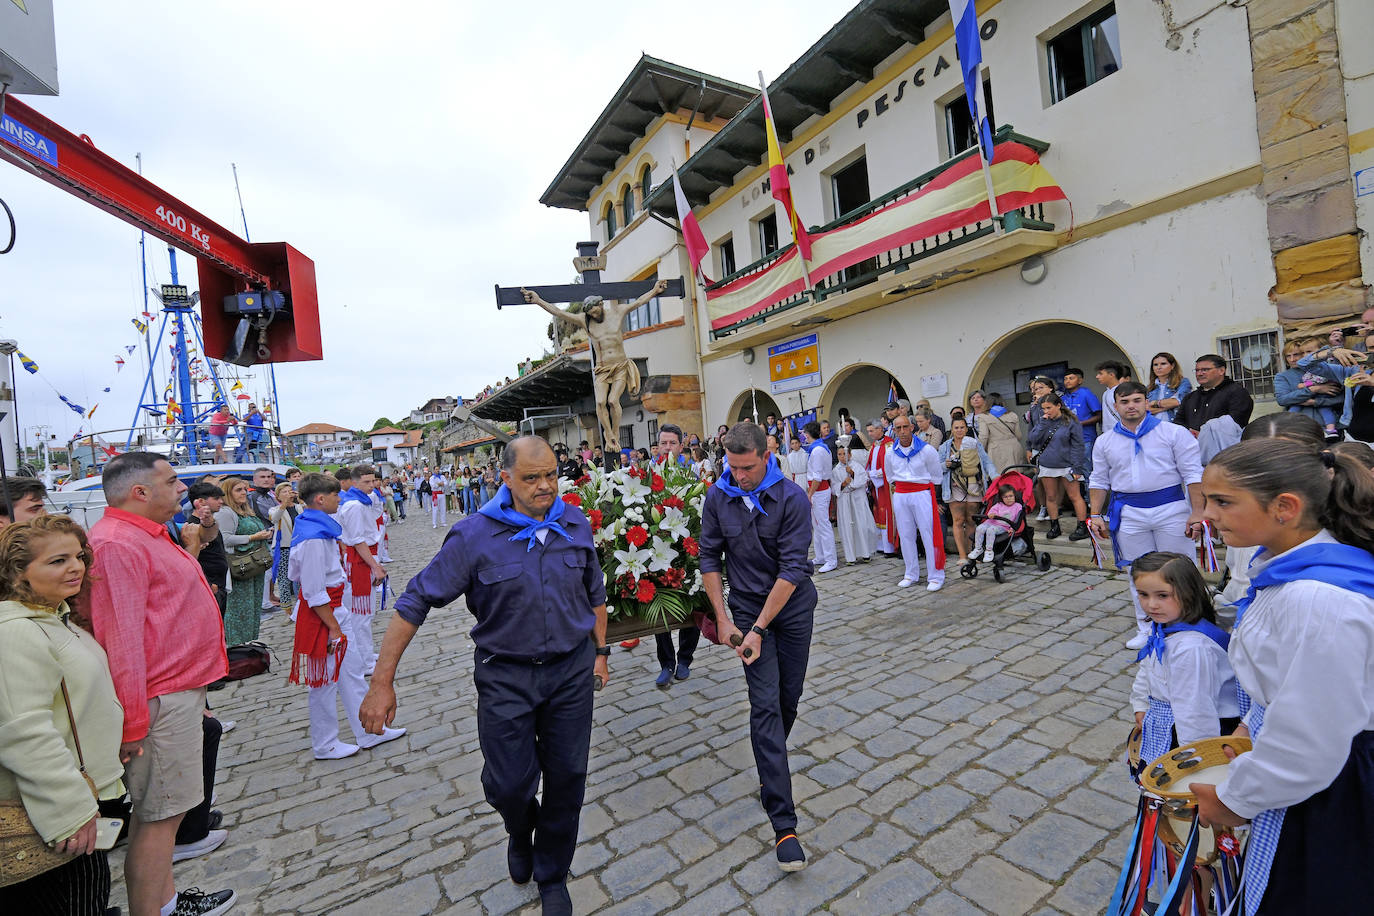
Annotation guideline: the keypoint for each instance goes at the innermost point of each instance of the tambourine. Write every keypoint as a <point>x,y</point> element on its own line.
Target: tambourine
<point>1173,828</point>
<point>1198,761</point>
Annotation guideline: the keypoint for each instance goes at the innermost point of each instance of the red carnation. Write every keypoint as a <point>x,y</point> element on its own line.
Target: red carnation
<point>573,499</point>
<point>594,517</point>
<point>583,480</point>
<point>656,485</point>
<point>690,545</point>
<point>625,585</point>
<point>673,502</point>
<point>636,536</point>
<point>646,591</point>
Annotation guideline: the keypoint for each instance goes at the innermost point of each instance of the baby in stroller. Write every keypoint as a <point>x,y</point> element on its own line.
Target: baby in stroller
<point>1003,517</point>
<point>1002,533</point>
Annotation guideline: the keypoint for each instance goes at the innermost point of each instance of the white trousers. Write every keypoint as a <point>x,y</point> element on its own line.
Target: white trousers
<point>914,514</point>
<point>438,511</point>
<point>1146,530</point>
<point>822,533</point>
<point>324,712</point>
<point>358,629</point>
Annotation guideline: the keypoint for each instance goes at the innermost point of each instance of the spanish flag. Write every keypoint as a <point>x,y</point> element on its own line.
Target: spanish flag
<point>777,177</point>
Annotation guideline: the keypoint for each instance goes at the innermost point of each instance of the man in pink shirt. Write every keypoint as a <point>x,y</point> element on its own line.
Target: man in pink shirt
<point>155,616</point>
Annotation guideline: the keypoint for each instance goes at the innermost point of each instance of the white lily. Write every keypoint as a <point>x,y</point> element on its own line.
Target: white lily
<point>634,492</point>
<point>674,524</point>
<point>663,555</point>
<point>634,561</point>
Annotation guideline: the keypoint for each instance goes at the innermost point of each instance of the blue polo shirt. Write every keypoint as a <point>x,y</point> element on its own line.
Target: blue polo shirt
<point>756,550</point>
<point>529,604</point>
<point>1084,404</point>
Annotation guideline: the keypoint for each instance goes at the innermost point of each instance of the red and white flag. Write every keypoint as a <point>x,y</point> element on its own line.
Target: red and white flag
<point>697,248</point>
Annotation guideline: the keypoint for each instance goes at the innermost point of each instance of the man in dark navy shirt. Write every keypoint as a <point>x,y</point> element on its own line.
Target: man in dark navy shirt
<point>529,570</point>
<point>756,525</point>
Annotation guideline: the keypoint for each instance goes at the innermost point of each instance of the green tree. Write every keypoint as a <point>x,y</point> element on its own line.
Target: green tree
<point>382,421</point>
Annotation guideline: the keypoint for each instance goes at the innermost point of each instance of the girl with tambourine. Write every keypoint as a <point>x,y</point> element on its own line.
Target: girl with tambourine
<point>1301,649</point>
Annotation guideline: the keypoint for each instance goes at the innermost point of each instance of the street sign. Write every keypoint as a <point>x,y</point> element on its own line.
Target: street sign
<point>794,365</point>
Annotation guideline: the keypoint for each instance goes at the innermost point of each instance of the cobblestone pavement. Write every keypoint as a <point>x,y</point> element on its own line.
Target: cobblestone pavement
<point>955,753</point>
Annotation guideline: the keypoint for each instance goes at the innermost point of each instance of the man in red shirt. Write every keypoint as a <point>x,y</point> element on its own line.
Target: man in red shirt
<point>155,616</point>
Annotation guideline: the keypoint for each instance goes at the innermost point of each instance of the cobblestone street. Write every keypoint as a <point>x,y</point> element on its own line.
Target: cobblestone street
<point>955,753</point>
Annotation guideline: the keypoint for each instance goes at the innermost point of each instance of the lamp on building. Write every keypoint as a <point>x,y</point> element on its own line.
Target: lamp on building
<point>1034,269</point>
<point>748,356</point>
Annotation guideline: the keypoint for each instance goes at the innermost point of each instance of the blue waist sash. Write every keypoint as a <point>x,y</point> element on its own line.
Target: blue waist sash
<point>1147,500</point>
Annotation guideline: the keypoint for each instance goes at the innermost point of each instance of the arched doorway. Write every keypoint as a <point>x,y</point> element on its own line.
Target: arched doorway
<point>1047,347</point>
<point>743,406</point>
<point>861,390</point>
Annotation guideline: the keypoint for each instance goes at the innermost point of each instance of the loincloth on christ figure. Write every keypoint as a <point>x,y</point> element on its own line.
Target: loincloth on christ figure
<point>625,370</point>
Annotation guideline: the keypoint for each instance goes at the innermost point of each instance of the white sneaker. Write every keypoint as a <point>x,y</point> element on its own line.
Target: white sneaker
<point>212,841</point>
<point>1137,641</point>
<point>987,555</point>
<point>226,727</point>
<point>829,567</point>
<point>338,751</point>
<point>1044,515</point>
<point>935,586</point>
<point>905,583</point>
<point>388,734</point>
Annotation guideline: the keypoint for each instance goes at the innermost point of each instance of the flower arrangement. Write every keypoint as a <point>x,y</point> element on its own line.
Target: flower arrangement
<point>646,525</point>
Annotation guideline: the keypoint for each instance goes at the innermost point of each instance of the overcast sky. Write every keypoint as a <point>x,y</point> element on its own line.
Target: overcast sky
<point>403,147</point>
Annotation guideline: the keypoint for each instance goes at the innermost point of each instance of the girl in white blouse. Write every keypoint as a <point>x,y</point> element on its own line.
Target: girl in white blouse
<point>1184,689</point>
<point>1303,651</point>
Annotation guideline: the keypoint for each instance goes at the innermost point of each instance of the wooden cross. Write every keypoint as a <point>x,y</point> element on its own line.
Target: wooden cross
<point>589,265</point>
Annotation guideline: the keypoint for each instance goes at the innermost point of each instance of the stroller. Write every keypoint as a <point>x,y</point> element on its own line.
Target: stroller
<point>1019,544</point>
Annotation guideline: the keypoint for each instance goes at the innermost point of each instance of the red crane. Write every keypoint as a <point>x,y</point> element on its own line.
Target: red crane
<point>275,328</point>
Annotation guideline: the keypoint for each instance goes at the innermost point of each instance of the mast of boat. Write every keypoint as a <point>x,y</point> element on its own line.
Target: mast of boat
<point>147,322</point>
<point>271,367</point>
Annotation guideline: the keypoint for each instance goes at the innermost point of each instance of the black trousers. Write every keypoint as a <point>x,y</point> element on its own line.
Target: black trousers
<point>687,639</point>
<point>196,824</point>
<point>776,680</point>
<point>80,887</point>
<point>534,722</point>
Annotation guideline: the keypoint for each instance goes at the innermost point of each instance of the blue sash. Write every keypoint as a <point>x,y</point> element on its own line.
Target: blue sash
<point>1146,500</point>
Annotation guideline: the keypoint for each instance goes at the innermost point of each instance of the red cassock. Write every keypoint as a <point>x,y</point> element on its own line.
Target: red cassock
<point>882,510</point>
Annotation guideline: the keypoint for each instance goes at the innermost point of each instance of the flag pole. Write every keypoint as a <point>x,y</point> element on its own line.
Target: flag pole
<point>793,218</point>
<point>993,214</point>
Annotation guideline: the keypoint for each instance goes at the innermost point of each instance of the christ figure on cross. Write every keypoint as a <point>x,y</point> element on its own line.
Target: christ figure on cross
<point>613,373</point>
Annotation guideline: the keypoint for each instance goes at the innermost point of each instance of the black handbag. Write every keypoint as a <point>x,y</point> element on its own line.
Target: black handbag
<point>247,660</point>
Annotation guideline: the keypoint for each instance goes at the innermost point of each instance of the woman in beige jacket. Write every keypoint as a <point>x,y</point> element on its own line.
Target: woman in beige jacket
<point>43,564</point>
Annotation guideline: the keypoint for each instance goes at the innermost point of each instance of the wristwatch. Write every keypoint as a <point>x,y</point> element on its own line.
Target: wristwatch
<point>758,629</point>
<point>604,651</point>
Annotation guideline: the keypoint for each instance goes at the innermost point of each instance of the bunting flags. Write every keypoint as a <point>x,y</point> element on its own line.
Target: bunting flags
<point>119,363</point>
<point>777,177</point>
<point>142,326</point>
<point>90,413</point>
<point>237,386</point>
<point>27,363</point>
<point>109,450</point>
<point>692,236</point>
<point>72,404</point>
<point>130,349</point>
<point>243,397</point>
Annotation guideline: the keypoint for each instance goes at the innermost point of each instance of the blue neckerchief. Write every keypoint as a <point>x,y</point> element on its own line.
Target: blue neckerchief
<point>500,508</point>
<point>1340,565</point>
<point>726,483</point>
<point>1159,632</point>
<point>997,411</point>
<point>310,524</point>
<point>917,443</point>
<point>356,495</point>
<point>1149,423</point>
<point>815,444</point>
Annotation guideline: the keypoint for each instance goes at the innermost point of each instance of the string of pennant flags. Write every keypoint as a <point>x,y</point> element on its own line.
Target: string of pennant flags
<point>197,367</point>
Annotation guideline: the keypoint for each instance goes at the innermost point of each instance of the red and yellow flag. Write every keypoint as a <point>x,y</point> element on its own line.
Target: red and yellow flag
<point>777,178</point>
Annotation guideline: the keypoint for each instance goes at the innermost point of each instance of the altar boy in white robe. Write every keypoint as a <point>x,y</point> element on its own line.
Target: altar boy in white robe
<point>849,483</point>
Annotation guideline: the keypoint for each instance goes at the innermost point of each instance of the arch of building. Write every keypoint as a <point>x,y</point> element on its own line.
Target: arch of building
<point>743,406</point>
<point>1042,344</point>
<point>861,389</point>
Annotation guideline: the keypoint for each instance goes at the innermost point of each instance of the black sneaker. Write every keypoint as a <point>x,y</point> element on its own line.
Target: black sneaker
<point>191,902</point>
<point>790,855</point>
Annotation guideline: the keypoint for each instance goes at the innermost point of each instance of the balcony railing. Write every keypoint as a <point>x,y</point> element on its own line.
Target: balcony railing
<point>876,263</point>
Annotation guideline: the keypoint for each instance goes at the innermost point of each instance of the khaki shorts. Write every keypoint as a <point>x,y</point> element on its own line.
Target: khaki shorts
<point>169,778</point>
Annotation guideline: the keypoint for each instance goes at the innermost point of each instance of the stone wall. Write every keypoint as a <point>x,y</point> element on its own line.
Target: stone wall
<point>1305,158</point>
<point>675,399</point>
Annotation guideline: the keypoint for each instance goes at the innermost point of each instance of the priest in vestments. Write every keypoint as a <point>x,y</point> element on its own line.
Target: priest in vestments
<point>877,475</point>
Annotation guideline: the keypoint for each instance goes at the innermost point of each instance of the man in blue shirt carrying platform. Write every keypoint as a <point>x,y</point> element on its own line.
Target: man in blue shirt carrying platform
<point>530,573</point>
<point>756,525</point>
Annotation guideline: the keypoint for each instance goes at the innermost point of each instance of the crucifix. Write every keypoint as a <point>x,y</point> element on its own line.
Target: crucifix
<point>613,372</point>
